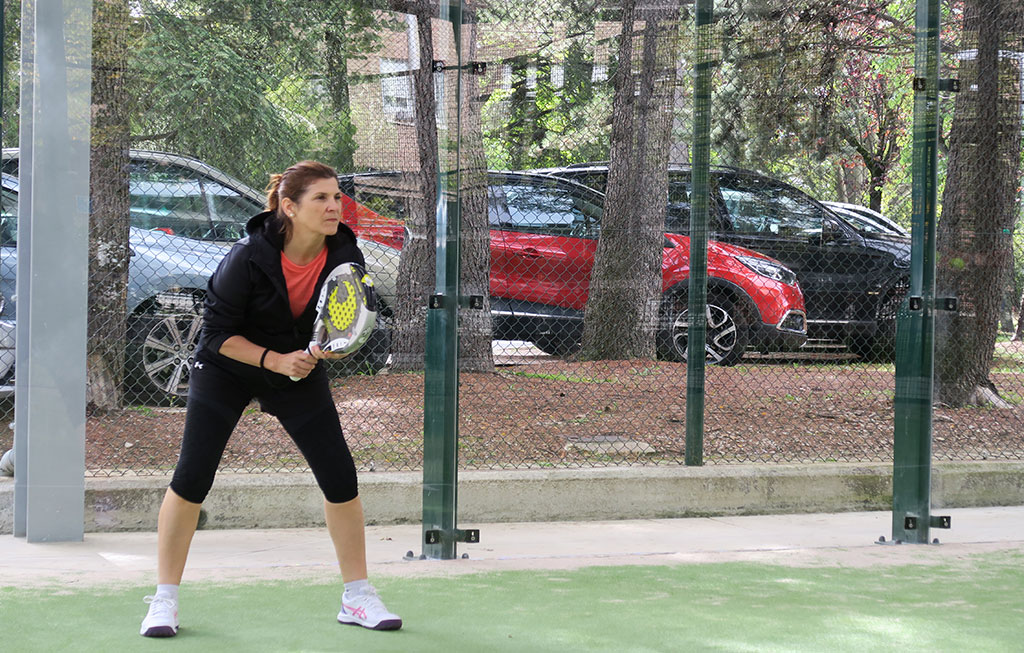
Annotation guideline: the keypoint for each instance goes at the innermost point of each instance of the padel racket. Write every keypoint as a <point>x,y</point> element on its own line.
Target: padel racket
<point>346,311</point>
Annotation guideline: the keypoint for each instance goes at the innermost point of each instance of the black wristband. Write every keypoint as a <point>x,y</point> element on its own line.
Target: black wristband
<point>264,357</point>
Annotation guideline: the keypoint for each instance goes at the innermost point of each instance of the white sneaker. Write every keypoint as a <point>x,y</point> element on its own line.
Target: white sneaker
<point>366,609</point>
<point>162,619</point>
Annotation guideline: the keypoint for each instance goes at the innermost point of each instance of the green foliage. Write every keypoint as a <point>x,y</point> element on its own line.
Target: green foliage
<point>802,90</point>
<point>11,66</point>
<point>563,377</point>
<point>240,85</point>
<point>548,110</point>
<point>818,94</point>
<point>200,92</point>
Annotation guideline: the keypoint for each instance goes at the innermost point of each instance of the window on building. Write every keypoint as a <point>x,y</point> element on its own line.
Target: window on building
<point>396,89</point>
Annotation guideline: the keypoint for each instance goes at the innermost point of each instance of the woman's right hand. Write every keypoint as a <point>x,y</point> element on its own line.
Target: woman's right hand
<point>296,364</point>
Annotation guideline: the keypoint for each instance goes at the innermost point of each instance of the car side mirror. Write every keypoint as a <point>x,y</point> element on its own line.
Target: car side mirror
<point>830,232</point>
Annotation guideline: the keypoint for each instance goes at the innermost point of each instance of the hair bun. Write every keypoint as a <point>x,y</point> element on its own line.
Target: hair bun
<point>272,191</point>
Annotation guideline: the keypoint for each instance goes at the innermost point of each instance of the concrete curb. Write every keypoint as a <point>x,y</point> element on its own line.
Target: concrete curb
<point>294,501</point>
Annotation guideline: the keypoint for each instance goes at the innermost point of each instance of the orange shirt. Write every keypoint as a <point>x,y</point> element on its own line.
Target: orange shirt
<point>301,280</point>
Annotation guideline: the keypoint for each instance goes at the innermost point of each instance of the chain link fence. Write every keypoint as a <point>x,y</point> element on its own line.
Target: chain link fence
<point>565,130</point>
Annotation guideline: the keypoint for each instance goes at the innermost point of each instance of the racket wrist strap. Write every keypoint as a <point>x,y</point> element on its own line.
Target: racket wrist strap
<point>263,358</point>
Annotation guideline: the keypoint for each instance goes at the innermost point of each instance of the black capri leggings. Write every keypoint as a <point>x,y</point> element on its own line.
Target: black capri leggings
<point>216,400</point>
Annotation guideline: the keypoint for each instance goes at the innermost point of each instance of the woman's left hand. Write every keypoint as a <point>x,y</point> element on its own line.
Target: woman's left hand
<point>325,355</point>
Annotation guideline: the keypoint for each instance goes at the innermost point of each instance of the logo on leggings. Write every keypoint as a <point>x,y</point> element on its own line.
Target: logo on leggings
<point>198,365</point>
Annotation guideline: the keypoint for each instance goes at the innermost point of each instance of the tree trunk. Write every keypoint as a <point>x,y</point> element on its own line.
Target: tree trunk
<point>475,351</point>
<point>109,195</point>
<point>416,268</point>
<point>521,111</point>
<point>1019,335</point>
<point>1006,309</point>
<point>337,84</point>
<point>983,172</point>
<point>625,288</point>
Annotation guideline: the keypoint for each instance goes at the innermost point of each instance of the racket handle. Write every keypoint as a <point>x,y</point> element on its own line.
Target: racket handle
<point>299,378</point>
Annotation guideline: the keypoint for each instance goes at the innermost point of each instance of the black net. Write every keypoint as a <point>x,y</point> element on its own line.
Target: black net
<point>568,125</point>
<point>979,367</point>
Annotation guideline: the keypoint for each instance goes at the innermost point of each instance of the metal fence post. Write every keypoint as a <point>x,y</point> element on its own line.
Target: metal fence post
<point>912,445</point>
<point>441,377</point>
<point>698,288</point>
<point>54,133</point>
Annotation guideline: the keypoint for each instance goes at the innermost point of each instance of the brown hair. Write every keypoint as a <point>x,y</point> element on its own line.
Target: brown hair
<point>292,183</point>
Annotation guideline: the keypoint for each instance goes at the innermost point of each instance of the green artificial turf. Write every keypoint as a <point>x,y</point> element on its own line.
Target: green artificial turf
<point>973,604</point>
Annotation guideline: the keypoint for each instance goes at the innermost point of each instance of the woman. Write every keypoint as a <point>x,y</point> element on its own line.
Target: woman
<point>259,313</point>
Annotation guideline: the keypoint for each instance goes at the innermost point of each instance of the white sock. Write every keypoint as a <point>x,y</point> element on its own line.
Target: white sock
<point>356,586</point>
<point>167,591</point>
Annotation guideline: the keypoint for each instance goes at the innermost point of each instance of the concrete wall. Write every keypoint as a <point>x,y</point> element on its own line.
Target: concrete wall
<point>293,500</point>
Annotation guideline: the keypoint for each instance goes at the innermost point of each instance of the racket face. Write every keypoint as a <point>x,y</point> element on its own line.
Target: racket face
<point>346,310</point>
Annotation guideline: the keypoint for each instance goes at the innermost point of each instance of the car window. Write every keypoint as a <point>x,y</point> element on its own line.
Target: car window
<point>385,195</point>
<point>596,180</point>
<point>865,222</point>
<point>180,201</point>
<point>541,209</point>
<point>9,218</point>
<point>677,214</point>
<point>768,209</point>
<point>391,206</point>
<point>229,209</point>
<point>498,214</point>
<point>379,207</point>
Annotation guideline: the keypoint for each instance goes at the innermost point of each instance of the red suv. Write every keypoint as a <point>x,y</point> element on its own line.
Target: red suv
<point>544,233</point>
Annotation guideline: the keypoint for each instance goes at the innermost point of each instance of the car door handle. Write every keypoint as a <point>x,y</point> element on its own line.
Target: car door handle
<point>528,252</point>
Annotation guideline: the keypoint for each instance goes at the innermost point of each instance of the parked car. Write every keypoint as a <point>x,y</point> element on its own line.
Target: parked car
<point>166,280</point>
<point>7,343</point>
<point>172,195</point>
<point>543,236</point>
<point>854,277</point>
<point>183,196</point>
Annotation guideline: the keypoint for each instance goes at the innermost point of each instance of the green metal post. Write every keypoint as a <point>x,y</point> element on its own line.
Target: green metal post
<point>698,288</point>
<point>441,376</point>
<point>3,67</point>
<point>912,446</point>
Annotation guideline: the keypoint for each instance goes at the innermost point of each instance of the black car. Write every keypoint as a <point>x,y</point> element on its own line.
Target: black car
<point>853,279</point>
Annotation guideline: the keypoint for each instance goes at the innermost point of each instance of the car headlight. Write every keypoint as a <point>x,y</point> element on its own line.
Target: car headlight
<point>769,269</point>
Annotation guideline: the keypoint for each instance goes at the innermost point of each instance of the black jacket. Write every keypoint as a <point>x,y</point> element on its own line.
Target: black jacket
<point>247,295</point>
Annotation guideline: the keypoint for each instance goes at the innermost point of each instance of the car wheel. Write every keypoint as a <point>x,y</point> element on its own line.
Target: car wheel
<point>726,336</point>
<point>881,346</point>
<point>162,343</point>
<point>557,344</point>
<point>869,349</point>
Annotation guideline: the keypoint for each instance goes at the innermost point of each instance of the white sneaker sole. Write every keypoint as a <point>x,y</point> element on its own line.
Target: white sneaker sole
<point>384,624</point>
<point>160,631</point>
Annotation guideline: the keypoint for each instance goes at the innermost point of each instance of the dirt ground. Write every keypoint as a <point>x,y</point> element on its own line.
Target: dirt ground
<point>538,411</point>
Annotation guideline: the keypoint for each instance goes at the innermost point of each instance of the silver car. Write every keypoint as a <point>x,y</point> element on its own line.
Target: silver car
<point>184,214</point>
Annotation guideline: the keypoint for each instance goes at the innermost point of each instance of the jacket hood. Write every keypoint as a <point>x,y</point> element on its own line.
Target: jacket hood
<point>258,222</point>
<point>266,225</point>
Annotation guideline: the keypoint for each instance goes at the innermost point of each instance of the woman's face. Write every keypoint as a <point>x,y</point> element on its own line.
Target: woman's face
<point>318,210</point>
